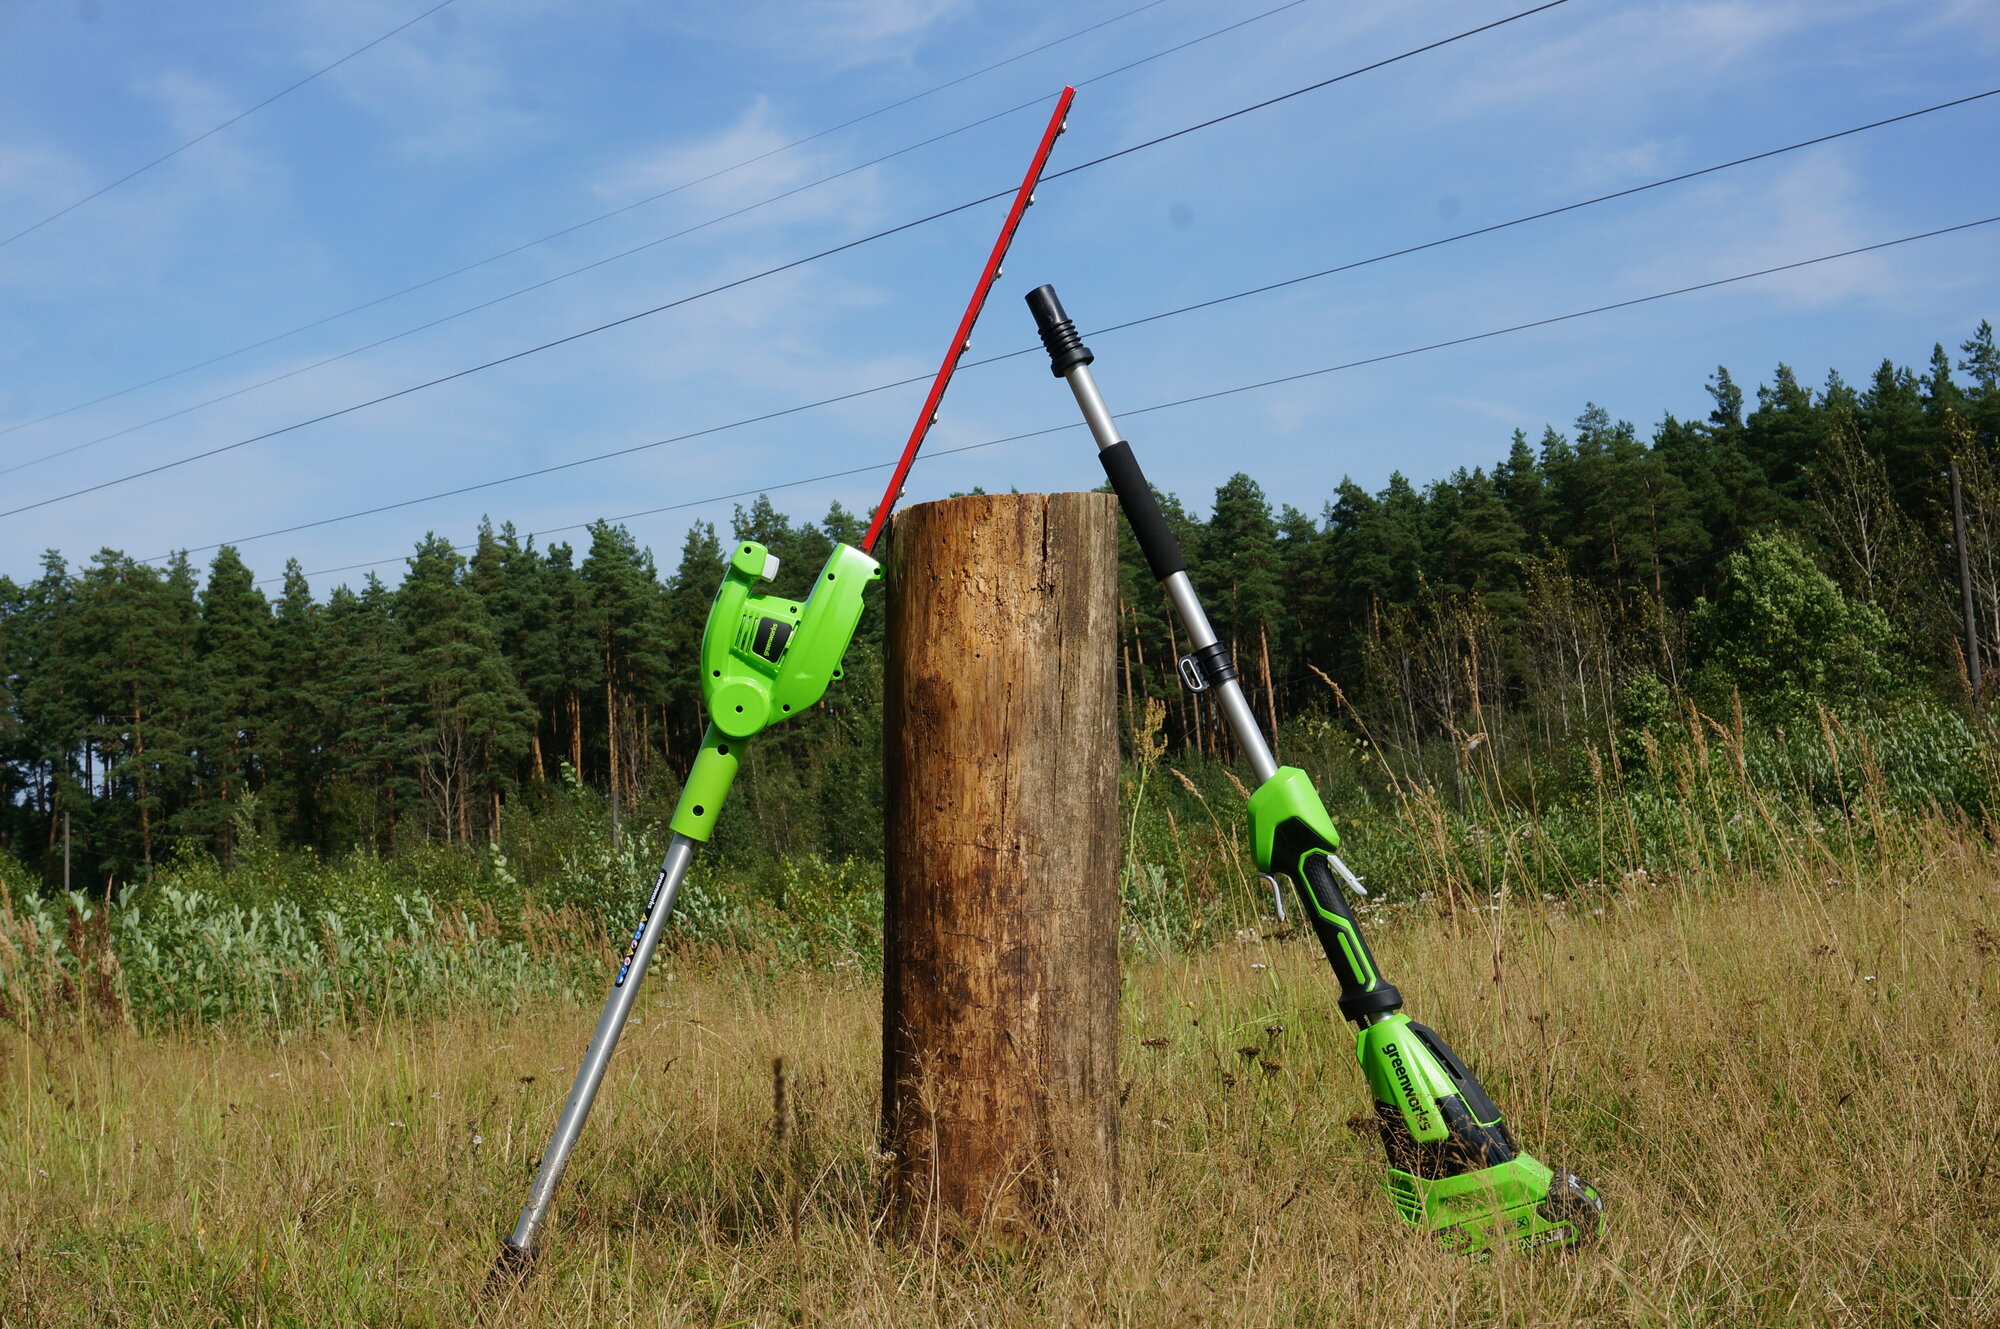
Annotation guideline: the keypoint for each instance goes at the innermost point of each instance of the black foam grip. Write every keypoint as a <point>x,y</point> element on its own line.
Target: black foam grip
<point>1156,541</point>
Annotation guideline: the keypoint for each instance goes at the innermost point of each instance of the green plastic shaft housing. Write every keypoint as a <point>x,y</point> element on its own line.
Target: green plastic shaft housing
<point>1287,796</point>
<point>1403,1073</point>
<point>764,658</point>
<point>707,785</point>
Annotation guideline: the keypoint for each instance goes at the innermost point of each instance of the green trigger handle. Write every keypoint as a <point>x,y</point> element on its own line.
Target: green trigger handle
<point>1291,833</point>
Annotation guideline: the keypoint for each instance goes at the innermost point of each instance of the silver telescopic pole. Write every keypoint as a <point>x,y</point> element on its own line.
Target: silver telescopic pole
<point>1229,693</point>
<point>589,1075</point>
<point>1235,710</point>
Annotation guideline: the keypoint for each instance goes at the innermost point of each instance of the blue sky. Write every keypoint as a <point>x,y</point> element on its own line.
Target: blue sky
<point>493,122</point>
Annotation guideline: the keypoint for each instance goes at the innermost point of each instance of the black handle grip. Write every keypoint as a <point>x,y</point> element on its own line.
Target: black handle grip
<point>1066,349</point>
<point>1149,525</point>
<point>1300,852</point>
<point>1067,353</point>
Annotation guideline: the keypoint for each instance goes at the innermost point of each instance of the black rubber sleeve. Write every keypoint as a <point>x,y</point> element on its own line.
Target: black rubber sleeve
<point>1066,349</point>
<point>1156,540</point>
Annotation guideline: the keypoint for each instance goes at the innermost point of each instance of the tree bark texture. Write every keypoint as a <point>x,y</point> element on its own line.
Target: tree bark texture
<point>1000,982</point>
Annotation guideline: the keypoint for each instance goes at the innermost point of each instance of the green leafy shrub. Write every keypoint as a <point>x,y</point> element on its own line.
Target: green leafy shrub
<point>1784,635</point>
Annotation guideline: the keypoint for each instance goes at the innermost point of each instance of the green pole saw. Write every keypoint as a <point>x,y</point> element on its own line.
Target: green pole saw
<point>1454,1168</point>
<point>763,660</point>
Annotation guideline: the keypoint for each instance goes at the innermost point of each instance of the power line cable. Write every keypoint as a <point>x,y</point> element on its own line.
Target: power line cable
<point>1240,388</point>
<point>1544,214</point>
<point>610,258</point>
<point>210,133</point>
<point>1311,87</point>
<point>1092,333</point>
<point>622,209</point>
<point>741,281</point>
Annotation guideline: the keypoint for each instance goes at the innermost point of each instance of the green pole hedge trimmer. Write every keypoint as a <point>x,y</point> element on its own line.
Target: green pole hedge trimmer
<point>1454,1167</point>
<point>763,660</point>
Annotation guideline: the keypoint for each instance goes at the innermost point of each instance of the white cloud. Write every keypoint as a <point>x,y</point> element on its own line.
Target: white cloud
<point>826,31</point>
<point>1817,205</point>
<point>748,164</point>
<point>1956,17</point>
<point>36,179</point>
<point>1603,168</point>
<point>449,86</point>
<point>1599,59</point>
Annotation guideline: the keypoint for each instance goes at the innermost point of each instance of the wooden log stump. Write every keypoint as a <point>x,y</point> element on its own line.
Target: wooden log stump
<point>1000,959</point>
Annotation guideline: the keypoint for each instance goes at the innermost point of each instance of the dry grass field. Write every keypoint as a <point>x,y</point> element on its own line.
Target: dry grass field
<point>1788,1090</point>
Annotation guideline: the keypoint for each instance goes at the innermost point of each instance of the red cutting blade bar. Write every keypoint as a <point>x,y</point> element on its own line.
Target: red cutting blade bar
<point>928,416</point>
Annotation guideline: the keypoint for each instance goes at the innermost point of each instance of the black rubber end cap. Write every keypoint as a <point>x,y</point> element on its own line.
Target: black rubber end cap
<point>510,1269</point>
<point>1066,349</point>
<point>1047,308</point>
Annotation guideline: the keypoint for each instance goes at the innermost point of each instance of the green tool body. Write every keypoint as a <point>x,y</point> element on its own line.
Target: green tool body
<point>1454,1167</point>
<point>763,660</point>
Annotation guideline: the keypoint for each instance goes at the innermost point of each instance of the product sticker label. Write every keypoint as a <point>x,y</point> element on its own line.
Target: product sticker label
<point>632,946</point>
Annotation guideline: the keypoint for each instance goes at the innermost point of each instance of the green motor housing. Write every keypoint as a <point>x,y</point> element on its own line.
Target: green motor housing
<point>763,660</point>
<point>1453,1165</point>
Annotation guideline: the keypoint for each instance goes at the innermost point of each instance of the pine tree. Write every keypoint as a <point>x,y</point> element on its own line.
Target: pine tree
<point>299,745</point>
<point>1376,558</point>
<point>843,527</point>
<point>578,664</point>
<point>1240,581</point>
<point>1893,427</point>
<point>132,648</point>
<point>470,716</point>
<point>1303,594</point>
<point>520,601</point>
<point>1728,398</point>
<point>1521,486</point>
<point>1484,548</point>
<point>230,698</point>
<point>1783,435</point>
<point>625,601</point>
<point>51,687</point>
<point>1982,365</point>
<point>372,694</point>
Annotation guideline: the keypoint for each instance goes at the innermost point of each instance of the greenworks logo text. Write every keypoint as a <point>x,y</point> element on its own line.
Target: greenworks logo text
<point>1419,1111</point>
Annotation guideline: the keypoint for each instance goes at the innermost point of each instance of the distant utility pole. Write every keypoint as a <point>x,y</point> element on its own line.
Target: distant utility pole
<point>1965,582</point>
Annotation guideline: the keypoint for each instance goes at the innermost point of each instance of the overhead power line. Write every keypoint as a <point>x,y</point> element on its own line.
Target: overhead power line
<point>756,276</point>
<point>609,258</point>
<point>1466,340</point>
<point>210,133</point>
<point>622,209</point>
<point>1265,288</point>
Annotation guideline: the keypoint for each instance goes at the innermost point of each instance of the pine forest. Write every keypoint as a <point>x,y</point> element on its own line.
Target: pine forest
<point>505,727</point>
